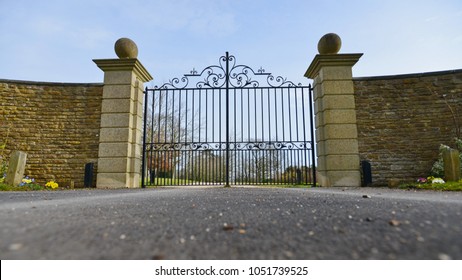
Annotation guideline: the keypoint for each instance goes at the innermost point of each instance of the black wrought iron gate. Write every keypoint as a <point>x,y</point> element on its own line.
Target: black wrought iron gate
<point>232,126</point>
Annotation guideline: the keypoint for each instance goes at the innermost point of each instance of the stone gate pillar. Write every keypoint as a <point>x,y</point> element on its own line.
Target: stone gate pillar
<point>119,156</point>
<point>335,114</point>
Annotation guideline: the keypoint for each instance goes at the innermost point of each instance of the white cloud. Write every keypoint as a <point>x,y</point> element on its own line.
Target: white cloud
<point>90,38</point>
<point>47,26</point>
<point>67,33</point>
<point>198,17</point>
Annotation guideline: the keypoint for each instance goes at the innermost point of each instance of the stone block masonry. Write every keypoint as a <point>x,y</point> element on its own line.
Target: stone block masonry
<point>336,132</point>
<point>119,158</point>
<point>402,120</point>
<point>56,124</point>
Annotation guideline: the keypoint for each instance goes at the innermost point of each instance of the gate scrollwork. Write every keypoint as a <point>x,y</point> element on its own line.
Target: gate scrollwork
<point>238,76</point>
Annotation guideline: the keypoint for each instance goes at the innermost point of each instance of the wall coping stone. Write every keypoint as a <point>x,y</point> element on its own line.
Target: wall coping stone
<point>325,60</point>
<point>39,83</point>
<point>405,76</point>
<point>124,64</point>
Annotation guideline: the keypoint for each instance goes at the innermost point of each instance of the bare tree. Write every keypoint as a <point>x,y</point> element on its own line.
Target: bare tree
<point>256,165</point>
<point>169,126</point>
<point>453,106</point>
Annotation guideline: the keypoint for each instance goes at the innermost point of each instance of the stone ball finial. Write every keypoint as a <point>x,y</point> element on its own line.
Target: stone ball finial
<point>329,44</point>
<point>126,48</point>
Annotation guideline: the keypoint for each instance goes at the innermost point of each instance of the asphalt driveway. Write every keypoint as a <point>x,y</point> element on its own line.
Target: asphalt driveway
<point>232,223</point>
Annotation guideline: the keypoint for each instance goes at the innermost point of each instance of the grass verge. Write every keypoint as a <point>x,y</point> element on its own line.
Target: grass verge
<point>448,186</point>
<point>28,187</point>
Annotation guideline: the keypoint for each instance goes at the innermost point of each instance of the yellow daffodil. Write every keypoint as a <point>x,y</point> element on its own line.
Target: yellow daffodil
<point>52,184</point>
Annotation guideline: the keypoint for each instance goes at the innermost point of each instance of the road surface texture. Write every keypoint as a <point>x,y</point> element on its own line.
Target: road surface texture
<point>231,223</point>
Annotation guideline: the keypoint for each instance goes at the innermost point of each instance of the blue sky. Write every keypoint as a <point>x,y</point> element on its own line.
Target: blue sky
<point>55,40</point>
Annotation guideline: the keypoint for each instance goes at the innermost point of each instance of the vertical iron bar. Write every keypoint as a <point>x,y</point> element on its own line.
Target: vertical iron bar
<point>276,114</point>
<point>214,167</point>
<point>220,135</point>
<point>206,135</point>
<point>304,136</point>
<point>262,116</point>
<point>263,152</point>
<point>187,152</point>
<point>194,153</point>
<point>235,137</point>
<point>255,128</point>
<point>166,116</point>
<point>180,153</point>
<point>151,146</point>
<point>290,151</point>
<point>227,119</point>
<point>297,156</point>
<point>158,155</point>
<point>276,136</point>
<point>283,152</point>
<point>242,153</point>
<point>254,151</point>
<point>282,115</point>
<point>172,141</point>
<point>165,154</point>
<point>200,115</point>
<point>200,154</point>
<point>313,156</point>
<point>271,162</point>
<point>247,154</point>
<point>143,163</point>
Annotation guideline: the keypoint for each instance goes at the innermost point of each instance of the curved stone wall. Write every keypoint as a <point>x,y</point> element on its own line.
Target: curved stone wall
<point>403,119</point>
<point>56,124</point>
